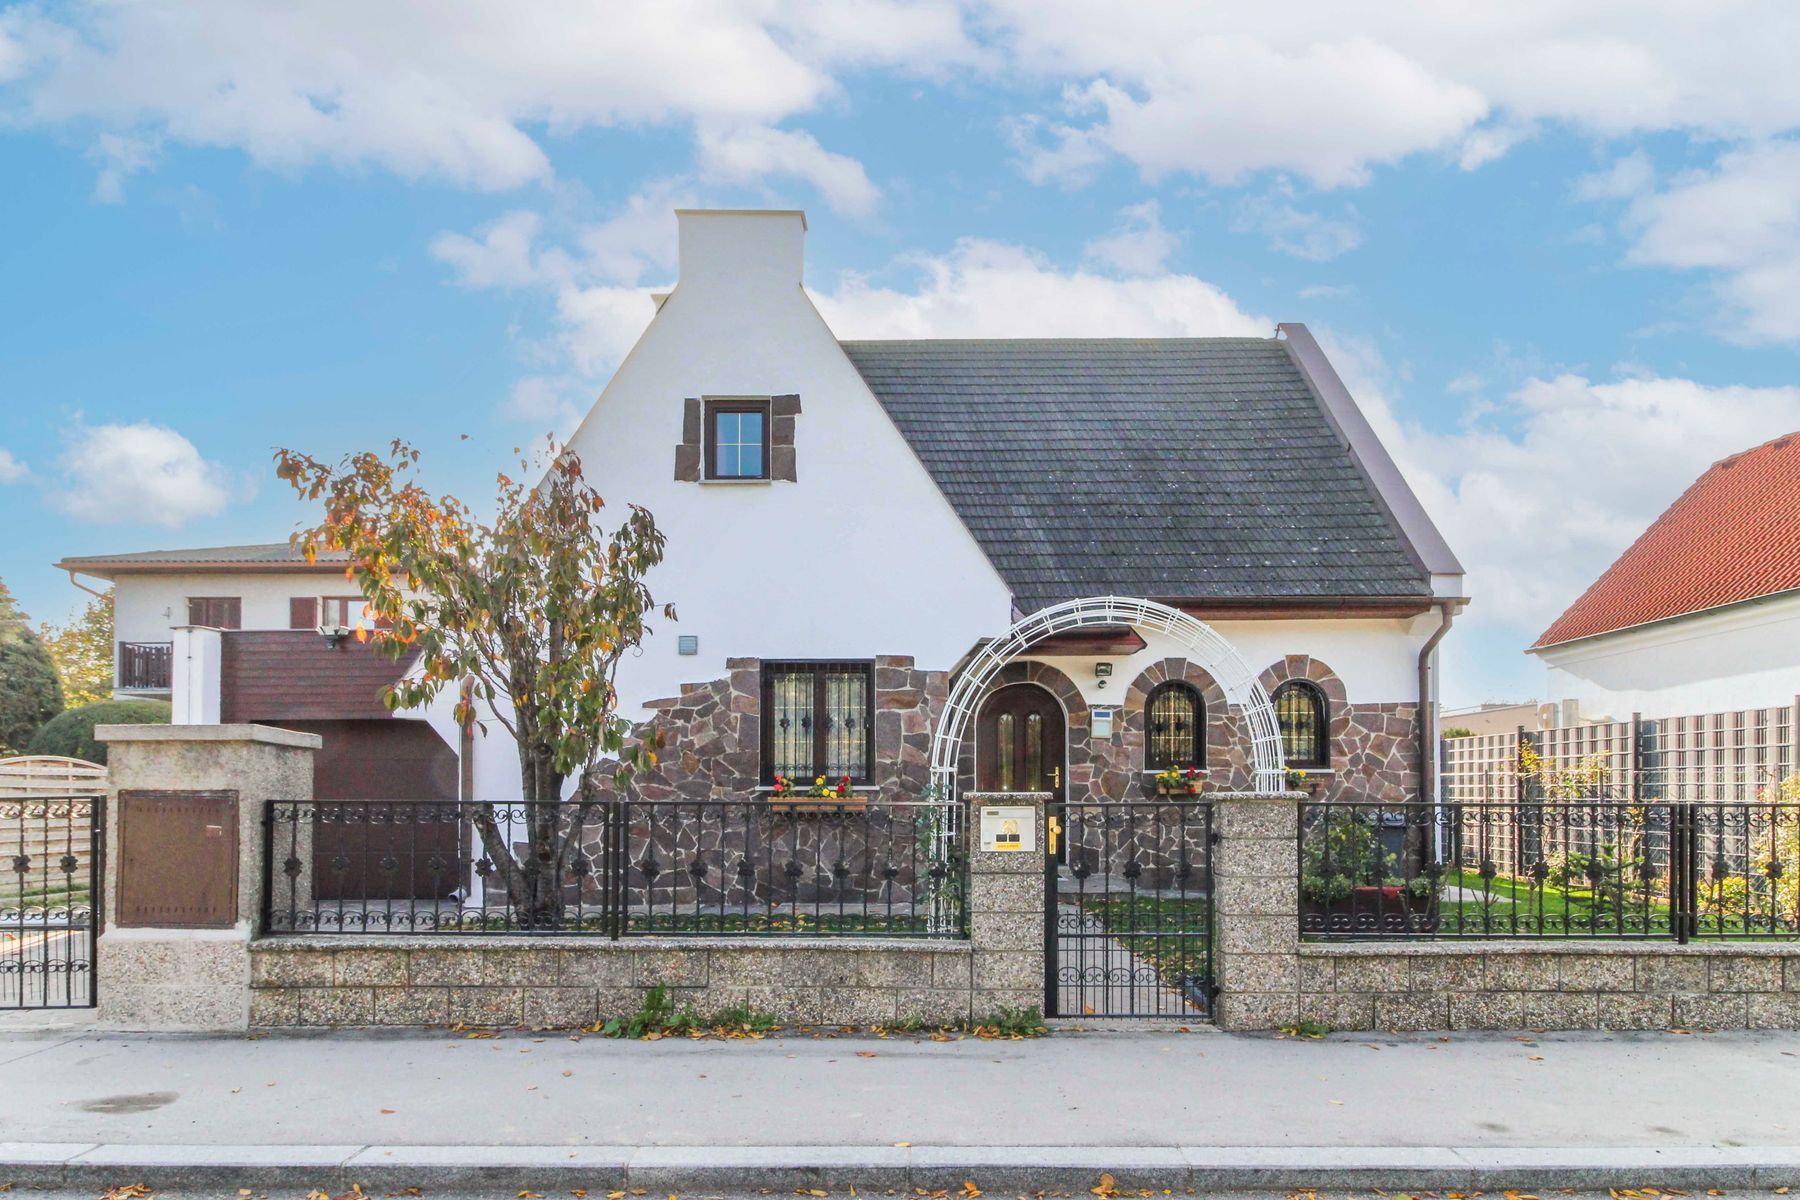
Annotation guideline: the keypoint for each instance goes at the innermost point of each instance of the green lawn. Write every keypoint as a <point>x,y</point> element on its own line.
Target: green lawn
<point>1170,933</point>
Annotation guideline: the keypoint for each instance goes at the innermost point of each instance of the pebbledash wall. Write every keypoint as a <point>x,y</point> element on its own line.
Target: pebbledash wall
<point>1554,985</point>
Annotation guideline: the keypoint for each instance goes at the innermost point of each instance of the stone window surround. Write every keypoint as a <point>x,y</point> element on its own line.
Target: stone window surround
<point>690,452</point>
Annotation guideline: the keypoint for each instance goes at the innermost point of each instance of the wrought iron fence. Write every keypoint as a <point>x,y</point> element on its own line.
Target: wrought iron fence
<point>1130,928</point>
<point>1550,868</point>
<point>49,900</point>
<point>620,868</point>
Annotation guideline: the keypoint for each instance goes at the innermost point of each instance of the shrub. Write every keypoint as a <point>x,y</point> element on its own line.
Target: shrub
<point>30,690</point>
<point>71,734</point>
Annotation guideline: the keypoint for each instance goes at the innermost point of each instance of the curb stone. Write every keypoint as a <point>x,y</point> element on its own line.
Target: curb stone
<point>1076,1169</point>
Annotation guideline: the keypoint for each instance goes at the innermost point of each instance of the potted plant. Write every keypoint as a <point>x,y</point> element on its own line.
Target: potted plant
<point>1304,781</point>
<point>1179,781</point>
<point>823,794</point>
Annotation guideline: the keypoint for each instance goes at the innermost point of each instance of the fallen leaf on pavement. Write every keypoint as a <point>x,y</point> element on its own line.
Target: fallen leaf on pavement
<point>865,1054</point>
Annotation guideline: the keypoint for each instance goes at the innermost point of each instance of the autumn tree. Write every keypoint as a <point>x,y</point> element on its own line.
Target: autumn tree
<point>30,692</point>
<point>83,652</point>
<point>535,608</point>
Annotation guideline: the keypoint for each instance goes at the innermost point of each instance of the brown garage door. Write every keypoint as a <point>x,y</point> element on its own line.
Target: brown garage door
<point>410,846</point>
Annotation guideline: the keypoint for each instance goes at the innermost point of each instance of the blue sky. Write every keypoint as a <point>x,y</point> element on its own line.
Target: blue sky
<point>1555,253</point>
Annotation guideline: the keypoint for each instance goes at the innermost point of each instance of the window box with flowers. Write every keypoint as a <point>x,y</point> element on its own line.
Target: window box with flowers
<point>822,795</point>
<point>1180,781</point>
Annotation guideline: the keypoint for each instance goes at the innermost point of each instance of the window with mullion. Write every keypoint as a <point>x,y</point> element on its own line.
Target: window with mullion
<point>816,721</point>
<point>737,439</point>
<point>1175,728</point>
<point>1305,724</point>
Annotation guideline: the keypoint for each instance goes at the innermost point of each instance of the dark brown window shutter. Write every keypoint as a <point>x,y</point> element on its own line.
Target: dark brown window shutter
<point>303,612</point>
<point>216,612</point>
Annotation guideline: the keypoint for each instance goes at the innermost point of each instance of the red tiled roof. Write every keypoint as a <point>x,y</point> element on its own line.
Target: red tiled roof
<point>1733,535</point>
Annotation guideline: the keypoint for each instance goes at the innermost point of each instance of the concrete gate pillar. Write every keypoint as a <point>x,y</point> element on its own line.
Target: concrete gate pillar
<point>1256,909</point>
<point>184,867</point>
<point>1006,909</point>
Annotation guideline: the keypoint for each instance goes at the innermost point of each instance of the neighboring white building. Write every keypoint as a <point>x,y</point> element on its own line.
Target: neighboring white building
<point>847,521</point>
<point>1702,613</point>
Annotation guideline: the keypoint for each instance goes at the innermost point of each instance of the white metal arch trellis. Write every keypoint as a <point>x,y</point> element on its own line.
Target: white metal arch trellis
<point>1204,646</point>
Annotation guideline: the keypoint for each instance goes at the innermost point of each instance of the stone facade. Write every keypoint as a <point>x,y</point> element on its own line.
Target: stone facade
<point>1374,746</point>
<point>1551,985</point>
<point>808,853</point>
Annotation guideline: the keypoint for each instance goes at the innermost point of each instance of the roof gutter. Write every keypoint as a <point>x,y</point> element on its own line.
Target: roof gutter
<point>1428,722</point>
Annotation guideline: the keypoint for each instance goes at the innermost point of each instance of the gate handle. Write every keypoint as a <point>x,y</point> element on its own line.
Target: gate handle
<point>1054,828</point>
<point>1055,777</point>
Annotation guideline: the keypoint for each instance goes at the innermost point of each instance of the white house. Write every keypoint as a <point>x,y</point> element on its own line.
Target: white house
<point>1702,613</point>
<point>847,521</point>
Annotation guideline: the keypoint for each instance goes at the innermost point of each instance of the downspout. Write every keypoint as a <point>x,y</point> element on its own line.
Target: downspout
<point>1427,712</point>
<point>84,587</point>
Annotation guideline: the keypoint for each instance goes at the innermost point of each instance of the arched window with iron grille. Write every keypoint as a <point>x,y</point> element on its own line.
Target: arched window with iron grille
<point>1305,720</point>
<point>1174,728</point>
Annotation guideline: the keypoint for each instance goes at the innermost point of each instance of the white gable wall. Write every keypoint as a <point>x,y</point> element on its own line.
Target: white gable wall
<point>861,556</point>
<point>1742,656</point>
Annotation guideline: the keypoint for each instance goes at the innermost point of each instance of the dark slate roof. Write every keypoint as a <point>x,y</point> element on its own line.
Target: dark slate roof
<point>1189,468</point>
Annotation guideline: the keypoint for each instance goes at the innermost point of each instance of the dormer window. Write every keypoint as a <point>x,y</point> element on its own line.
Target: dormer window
<point>737,439</point>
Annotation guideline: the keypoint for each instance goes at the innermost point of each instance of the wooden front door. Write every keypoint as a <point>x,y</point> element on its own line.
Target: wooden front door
<point>1020,743</point>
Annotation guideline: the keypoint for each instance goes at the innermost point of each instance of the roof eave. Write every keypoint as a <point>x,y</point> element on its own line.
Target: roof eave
<point>1655,621</point>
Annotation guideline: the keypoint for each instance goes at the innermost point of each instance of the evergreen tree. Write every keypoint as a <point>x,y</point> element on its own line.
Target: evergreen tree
<point>30,692</point>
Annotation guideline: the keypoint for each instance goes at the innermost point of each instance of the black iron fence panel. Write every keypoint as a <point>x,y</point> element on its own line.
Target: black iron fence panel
<point>50,872</point>
<point>1550,868</point>
<point>794,868</point>
<point>1128,929</point>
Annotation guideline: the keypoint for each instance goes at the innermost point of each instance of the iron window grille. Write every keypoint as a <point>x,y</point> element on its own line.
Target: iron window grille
<point>737,439</point>
<point>1175,728</point>
<point>817,721</point>
<point>1302,713</point>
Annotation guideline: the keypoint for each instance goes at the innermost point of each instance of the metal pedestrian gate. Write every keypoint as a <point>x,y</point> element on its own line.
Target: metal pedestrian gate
<point>50,872</point>
<point>1128,913</point>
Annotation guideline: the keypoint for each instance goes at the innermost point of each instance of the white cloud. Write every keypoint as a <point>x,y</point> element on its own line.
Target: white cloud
<point>1292,230</point>
<point>1139,245</point>
<point>1740,222</point>
<point>990,289</point>
<point>747,154</point>
<point>546,400</point>
<point>1337,87</point>
<point>462,93</point>
<point>504,256</point>
<point>140,473</point>
<point>1542,489</point>
<point>1626,177</point>
<point>120,157</point>
<point>11,469</point>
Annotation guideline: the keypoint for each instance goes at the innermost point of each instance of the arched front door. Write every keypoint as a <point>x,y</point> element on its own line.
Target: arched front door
<point>1020,742</point>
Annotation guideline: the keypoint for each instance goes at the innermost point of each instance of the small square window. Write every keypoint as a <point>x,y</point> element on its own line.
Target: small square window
<point>737,439</point>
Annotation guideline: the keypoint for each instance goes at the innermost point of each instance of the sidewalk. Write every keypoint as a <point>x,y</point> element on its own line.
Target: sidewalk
<point>1160,1109</point>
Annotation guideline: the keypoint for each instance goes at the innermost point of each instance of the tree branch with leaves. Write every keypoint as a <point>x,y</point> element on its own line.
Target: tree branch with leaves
<point>534,608</point>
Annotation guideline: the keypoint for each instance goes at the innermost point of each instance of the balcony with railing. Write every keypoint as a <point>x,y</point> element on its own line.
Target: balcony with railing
<point>144,666</point>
